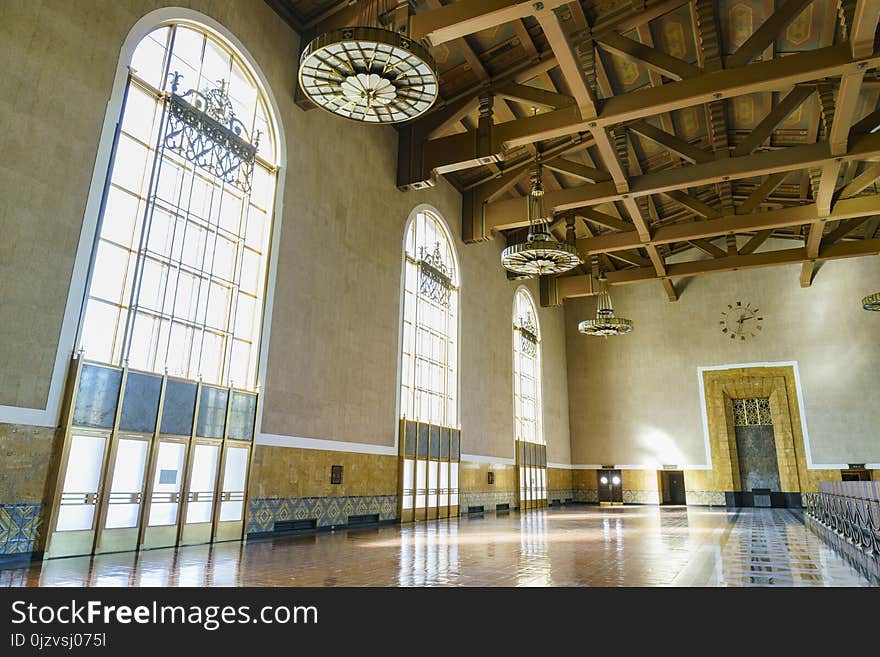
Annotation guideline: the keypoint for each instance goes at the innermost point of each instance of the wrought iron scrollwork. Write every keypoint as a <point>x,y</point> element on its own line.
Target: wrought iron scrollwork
<point>202,128</point>
<point>435,276</point>
<point>528,335</point>
<point>855,519</point>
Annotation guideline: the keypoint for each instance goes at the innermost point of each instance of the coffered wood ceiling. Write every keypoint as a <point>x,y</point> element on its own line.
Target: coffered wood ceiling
<point>679,135</point>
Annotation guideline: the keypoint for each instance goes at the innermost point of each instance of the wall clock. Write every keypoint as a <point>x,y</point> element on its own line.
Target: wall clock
<point>741,322</point>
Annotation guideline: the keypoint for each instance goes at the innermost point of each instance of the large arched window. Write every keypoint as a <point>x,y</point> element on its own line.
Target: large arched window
<point>527,369</point>
<point>531,453</point>
<point>179,272</point>
<point>429,367</point>
<point>430,443</point>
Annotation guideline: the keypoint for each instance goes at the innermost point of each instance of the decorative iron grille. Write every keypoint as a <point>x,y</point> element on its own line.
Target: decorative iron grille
<point>752,412</point>
<point>528,335</point>
<point>203,129</point>
<point>435,280</point>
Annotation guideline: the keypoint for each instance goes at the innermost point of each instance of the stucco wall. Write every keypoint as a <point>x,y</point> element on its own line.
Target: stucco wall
<point>635,400</point>
<point>333,354</point>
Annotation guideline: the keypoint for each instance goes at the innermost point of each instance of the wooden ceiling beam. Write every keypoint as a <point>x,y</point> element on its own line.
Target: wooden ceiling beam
<point>708,248</point>
<point>654,59</point>
<point>777,115</point>
<point>861,182</point>
<point>756,241</point>
<point>843,229</point>
<point>533,96</point>
<point>577,170</point>
<point>572,286</point>
<point>859,206</point>
<point>631,257</point>
<point>765,35</point>
<point>865,18</point>
<point>508,214</point>
<point>762,191</point>
<point>680,147</point>
<point>604,220</point>
<point>694,205</point>
<point>465,17</point>
<point>762,76</point>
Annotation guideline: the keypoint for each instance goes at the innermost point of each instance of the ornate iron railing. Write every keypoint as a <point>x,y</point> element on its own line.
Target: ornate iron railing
<point>856,519</point>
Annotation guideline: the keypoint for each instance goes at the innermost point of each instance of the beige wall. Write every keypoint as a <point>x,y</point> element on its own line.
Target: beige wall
<point>334,343</point>
<point>635,400</point>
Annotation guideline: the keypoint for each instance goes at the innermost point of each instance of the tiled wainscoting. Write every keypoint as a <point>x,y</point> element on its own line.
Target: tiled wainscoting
<point>586,495</point>
<point>264,512</point>
<point>486,499</point>
<point>705,498</point>
<point>19,526</point>
<point>560,494</point>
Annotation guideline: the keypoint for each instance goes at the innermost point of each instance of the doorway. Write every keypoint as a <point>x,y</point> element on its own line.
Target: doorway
<point>672,487</point>
<point>855,474</point>
<point>610,485</point>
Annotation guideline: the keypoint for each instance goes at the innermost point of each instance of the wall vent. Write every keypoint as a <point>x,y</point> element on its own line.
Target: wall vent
<point>502,507</point>
<point>364,519</point>
<point>296,525</point>
<point>475,509</point>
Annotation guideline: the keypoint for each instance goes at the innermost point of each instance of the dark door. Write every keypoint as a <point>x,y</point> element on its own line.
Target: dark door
<point>675,484</point>
<point>610,486</point>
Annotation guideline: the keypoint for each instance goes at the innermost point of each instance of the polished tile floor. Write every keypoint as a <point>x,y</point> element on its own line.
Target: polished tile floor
<point>576,546</point>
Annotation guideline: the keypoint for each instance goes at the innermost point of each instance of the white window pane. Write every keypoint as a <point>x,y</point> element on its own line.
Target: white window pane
<point>240,364</point>
<point>128,478</point>
<point>257,225</point>
<point>154,277</point>
<point>99,330</point>
<point>250,272</point>
<point>130,164</point>
<point>224,258</point>
<point>109,272</point>
<point>121,215</point>
<point>192,245</point>
<point>179,349</point>
<point>149,57</point>
<point>245,316</point>
<point>86,456</point>
<point>188,46</point>
<point>140,112</point>
<point>215,65</point>
<point>142,342</point>
<point>230,213</point>
<point>202,482</point>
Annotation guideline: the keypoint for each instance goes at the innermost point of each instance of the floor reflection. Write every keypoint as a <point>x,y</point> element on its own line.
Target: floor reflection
<point>576,546</point>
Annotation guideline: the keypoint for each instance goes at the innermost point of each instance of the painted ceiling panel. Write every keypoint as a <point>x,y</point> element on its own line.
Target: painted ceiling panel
<point>674,34</point>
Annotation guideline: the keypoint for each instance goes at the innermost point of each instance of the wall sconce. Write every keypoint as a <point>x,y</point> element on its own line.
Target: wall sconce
<point>335,474</point>
<point>491,478</point>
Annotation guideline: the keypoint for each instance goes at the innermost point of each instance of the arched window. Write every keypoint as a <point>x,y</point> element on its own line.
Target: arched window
<point>527,369</point>
<point>531,454</point>
<point>429,367</point>
<point>178,277</point>
<point>430,442</point>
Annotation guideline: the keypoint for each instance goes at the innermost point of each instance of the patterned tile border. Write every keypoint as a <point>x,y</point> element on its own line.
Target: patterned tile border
<point>264,512</point>
<point>486,499</point>
<point>586,495</point>
<point>19,527</point>
<point>641,496</point>
<point>705,498</point>
<point>561,494</point>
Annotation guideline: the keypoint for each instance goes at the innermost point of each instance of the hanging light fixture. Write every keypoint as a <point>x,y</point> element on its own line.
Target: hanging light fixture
<point>368,73</point>
<point>605,323</point>
<point>872,302</point>
<point>540,253</point>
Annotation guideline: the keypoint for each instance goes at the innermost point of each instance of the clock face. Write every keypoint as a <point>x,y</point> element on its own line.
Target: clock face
<point>741,322</point>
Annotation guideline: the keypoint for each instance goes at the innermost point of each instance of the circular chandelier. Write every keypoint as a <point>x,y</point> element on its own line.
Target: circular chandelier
<point>872,302</point>
<point>540,254</point>
<point>369,74</point>
<point>605,323</point>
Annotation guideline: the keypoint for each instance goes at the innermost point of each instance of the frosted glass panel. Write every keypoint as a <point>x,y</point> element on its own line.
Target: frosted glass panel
<point>432,483</point>
<point>444,484</point>
<point>128,480</point>
<point>78,494</point>
<point>420,484</point>
<point>166,484</point>
<point>408,466</point>
<point>235,470</point>
<point>204,472</point>
<point>231,510</point>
